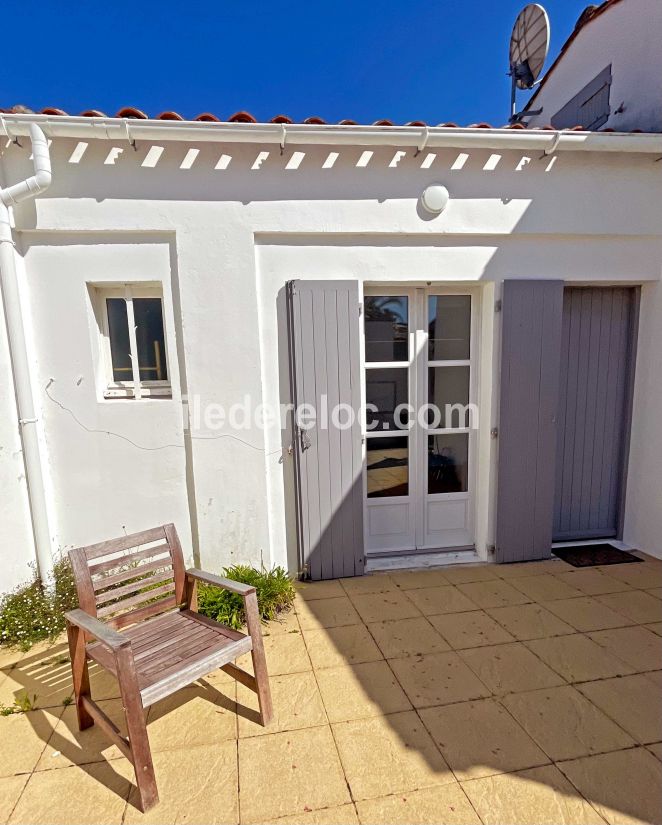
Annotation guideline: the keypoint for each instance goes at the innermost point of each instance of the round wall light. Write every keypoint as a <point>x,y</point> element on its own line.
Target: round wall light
<point>435,198</point>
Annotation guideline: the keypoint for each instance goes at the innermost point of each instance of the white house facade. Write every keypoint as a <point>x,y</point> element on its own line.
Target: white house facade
<point>607,75</point>
<point>175,273</point>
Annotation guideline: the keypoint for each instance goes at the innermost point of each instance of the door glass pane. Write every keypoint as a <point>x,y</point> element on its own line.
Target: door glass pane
<point>449,327</point>
<point>386,389</point>
<point>150,339</point>
<point>388,466</point>
<point>448,385</point>
<point>386,326</point>
<point>448,463</point>
<point>118,332</point>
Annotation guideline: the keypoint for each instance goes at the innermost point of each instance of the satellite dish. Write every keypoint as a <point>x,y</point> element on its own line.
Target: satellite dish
<point>529,44</point>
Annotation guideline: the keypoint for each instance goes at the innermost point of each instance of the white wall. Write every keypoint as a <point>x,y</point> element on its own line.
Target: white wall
<point>643,514</point>
<point>223,242</point>
<point>628,37</point>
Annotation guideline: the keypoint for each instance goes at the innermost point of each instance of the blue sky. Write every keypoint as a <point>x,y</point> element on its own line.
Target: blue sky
<point>412,60</point>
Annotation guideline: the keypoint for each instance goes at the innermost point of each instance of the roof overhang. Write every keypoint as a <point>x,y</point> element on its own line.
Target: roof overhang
<point>426,137</point>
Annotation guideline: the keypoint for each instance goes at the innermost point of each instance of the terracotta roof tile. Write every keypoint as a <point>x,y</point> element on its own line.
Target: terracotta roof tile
<point>130,112</point>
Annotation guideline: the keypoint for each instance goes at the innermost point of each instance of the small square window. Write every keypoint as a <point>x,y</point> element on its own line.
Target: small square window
<point>134,342</point>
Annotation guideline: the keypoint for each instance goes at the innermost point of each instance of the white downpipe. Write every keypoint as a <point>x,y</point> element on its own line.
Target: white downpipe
<point>9,196</point>
<point>439,137</point>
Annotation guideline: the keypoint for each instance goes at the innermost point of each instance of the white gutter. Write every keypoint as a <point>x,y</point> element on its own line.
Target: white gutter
<point>29,188</point>
<point>122,129</point>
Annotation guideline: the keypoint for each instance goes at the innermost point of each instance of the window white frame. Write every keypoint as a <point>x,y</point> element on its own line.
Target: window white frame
<point>134,387</point>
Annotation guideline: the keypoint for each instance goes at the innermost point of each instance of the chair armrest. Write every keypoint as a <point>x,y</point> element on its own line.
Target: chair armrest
<point>99,630</point>
<point>219,581</point>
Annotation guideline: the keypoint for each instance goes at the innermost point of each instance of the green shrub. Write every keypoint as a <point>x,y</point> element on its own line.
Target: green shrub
<point>274,589</point>
<point>33,612</point>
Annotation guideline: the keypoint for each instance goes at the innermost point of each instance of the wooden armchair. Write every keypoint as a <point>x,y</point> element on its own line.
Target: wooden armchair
<point>137,619</point>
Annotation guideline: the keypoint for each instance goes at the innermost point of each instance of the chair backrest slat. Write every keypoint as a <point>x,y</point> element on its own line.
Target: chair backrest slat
<point>123,582</point>
<point>104,548</point>
<point>133,587</point>
<point>125,559</point>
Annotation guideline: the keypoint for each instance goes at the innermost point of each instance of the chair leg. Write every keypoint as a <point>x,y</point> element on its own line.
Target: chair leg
<point>79,673</point>
<point>137,729</point>
<point>259,659</point>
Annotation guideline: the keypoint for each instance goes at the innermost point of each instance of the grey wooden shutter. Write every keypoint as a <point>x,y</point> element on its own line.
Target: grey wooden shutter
<point>323,319</point>
<point>594,411</point>
<point>530,362</point>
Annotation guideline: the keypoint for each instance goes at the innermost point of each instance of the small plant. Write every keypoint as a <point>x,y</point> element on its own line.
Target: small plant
<point>68,700</point>
<point>33,612</point>
<point>22,704</point>
<point>274,589</point>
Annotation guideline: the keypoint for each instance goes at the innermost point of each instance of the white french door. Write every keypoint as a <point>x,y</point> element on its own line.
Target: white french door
<point>420,346</point>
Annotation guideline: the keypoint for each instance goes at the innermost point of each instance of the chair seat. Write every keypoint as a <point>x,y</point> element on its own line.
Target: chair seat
<point>174,649</point>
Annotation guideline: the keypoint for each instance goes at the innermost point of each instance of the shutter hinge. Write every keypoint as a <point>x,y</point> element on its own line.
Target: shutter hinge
<point>497,306</point>
<point>360,309</point>
<point>494,432</point>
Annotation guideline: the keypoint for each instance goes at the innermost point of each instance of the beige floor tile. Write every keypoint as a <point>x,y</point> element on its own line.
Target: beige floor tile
<point>285,652</point>
<point>296,700</point>
<point>509,668</point>
<point>193,716</point>
<point>529,621</point>
<point>656,628</point>
<point>197,786</point>
<point>636,605</point>
<point>656,591</point>
<point>24,737</point>
<point>480,739</point>
<point>289,773</point>
<point>633,702</point>
<point>532,568</point>
<point>319,590</point>
<point>333,612</point>
<point>645,576</point>
<point>624,787</point>
<point>336,646</point>
<point>407,637</point>
<point>90,795</point>
<point>592,582</point>
<point>430,806</point>
<point>11,787</point>
<point>388,755</point>
<point>411,579</point>
<point>463,573</point>
<point>545,588</point>
<point>586,613</point>
<point>473,629</point>
<point>564,723</point>
<point>69,746</point>
<point>656,750</point>
<point>285,622</point>
<point>360,691</point>
<point>10,656</point>
<point>337,815</point>
<point>578,658</point>
<point>655,676</point>
<point>48,678</point>
<point>437,679</point>
<point>372,583</point>
<point>635,645</point>
<point>382,607</point>
<point>542,796</point>
<point>434,601</point>
<point>495,593</point>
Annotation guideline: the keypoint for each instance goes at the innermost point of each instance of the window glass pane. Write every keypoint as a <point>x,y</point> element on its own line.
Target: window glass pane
<point>388,470</point>
<point>118,331</point>
<point>448,463</point>
<point>448,385</point>
<point>150,339</point>
<point>386,389</point>
<point>386,325</point>
<point>449,327</point>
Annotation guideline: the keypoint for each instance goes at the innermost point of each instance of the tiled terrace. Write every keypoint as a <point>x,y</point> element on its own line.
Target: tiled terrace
<point>496,694</point>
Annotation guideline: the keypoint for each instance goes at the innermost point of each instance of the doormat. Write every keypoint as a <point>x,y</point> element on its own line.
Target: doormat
<point>592,555</point>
